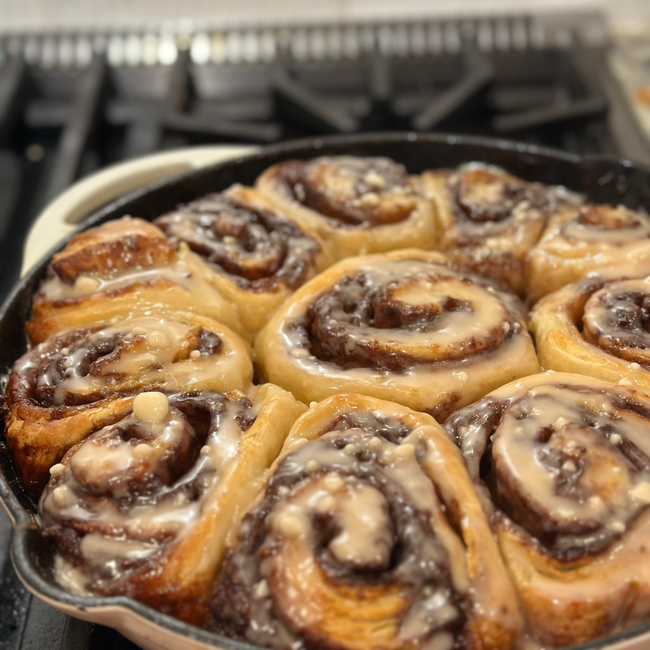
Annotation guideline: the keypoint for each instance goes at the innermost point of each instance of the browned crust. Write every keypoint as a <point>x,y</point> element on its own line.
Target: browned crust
<point>130,243</point>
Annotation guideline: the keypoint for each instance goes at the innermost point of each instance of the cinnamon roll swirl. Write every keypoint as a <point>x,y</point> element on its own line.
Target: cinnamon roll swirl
<point>143,506</point>
<point>80,381</point>
<point>562,463</point>
<point>599,327</point>
<point>488,219</point>
<point>405,326</point>
<point>119,270</point>
<point>369,534</point>
<point>361,205</point>
<point>259,256</point>
<point>584,240</point>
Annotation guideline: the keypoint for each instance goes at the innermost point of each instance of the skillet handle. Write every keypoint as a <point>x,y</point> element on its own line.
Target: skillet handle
<point>61,216</point>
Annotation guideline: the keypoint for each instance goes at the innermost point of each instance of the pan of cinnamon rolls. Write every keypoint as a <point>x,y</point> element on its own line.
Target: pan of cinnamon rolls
<point>362,393</point>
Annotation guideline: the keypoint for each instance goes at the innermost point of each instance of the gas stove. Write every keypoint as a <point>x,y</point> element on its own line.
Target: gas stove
<point>71,104</point>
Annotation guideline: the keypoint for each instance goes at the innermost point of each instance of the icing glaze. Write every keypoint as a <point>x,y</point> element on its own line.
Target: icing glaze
<point>257,249</point>
<point>135,488</point>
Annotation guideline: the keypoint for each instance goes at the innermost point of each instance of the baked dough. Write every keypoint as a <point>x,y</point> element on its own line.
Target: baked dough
<point>562,463</point>
<point>120,270</point>
<point>258,256</point>
<point>78,382</point>
<point>361,205</point>
<point>489,219</point>
<point>144,506</point>
<point>405,326</point>
<point>586,240</point>
<point>368,535</point>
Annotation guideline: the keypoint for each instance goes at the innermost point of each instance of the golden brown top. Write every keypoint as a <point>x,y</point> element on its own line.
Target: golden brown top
<point>113,248</point>
<point>350,190</point>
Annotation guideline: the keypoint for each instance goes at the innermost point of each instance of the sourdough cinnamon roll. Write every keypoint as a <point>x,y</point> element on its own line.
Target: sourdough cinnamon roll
<point>143,506</point>
<point>584,240</point>
<point>369,534</point>
<point>599,326</point>
<point>405,326</point>
<point>562,462</point>
<point>362,205</point>
<point>258,255</point>
<point>78,382</point>
<point>119,270</point>
<point>488,219</point>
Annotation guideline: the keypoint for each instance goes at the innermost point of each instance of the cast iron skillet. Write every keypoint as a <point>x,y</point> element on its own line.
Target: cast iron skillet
<point>600,179</point>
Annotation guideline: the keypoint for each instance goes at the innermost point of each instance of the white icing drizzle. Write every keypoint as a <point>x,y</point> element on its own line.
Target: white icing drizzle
<point>447,333</point>
<point>400,465</point>
<point>152,406</point>
<point>578,476</point>
<point>614,319</point>
<point>362,519</point>
<point>626,227</point>
<point>85,284</point>
<point>360,190</point>
<point>107,553</point>
<point>148,351</point>
<point>96,488</point>
<point>178,272</point>
<point>491,189</point>
<point>72,579</point>
<point>262,244</point>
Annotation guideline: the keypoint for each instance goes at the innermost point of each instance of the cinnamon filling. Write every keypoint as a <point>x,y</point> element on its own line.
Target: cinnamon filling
<point>86,365</point>
<point>485,196</point>
<point>138,484</point>
<point>352,191</point>
<point>605,217</point>
<point>258,249</point>
<point>570,465</point>
<point>616,318</point>
<point>606,226</point>
<point>346,519</point>
<point>361,321</point>
<point>389,427</point>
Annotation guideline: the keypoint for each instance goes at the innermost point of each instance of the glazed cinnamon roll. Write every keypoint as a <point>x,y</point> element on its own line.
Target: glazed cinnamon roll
<point>259,256</point>
<point>119,270</point>
<point>369,534</point>
<point>362,205</point>
<point>488,219</point>
<point>78,382</point>
<point>585,240</point>
<point>143,506</point>
<point>405,326</point>
<point>599,327</point>
<point>562,463</point>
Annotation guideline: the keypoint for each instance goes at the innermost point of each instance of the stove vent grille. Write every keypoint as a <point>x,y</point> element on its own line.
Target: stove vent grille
<point>343,41</point>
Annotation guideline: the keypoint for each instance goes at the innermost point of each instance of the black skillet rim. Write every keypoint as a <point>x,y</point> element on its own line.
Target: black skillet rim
<point>17,306</point>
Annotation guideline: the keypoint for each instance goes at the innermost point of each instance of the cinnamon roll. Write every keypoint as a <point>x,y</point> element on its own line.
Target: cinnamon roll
<point>119,270</point>
<point>488,219</point>
<point>143,506</point>
<point>587,239</point>
<point>369,534</point>
<point>78,382</point>
<point>562,464</point>
<point>259,256</point>
<point>361,205</point>
<point>599,327</point>
<point>405,326</point>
